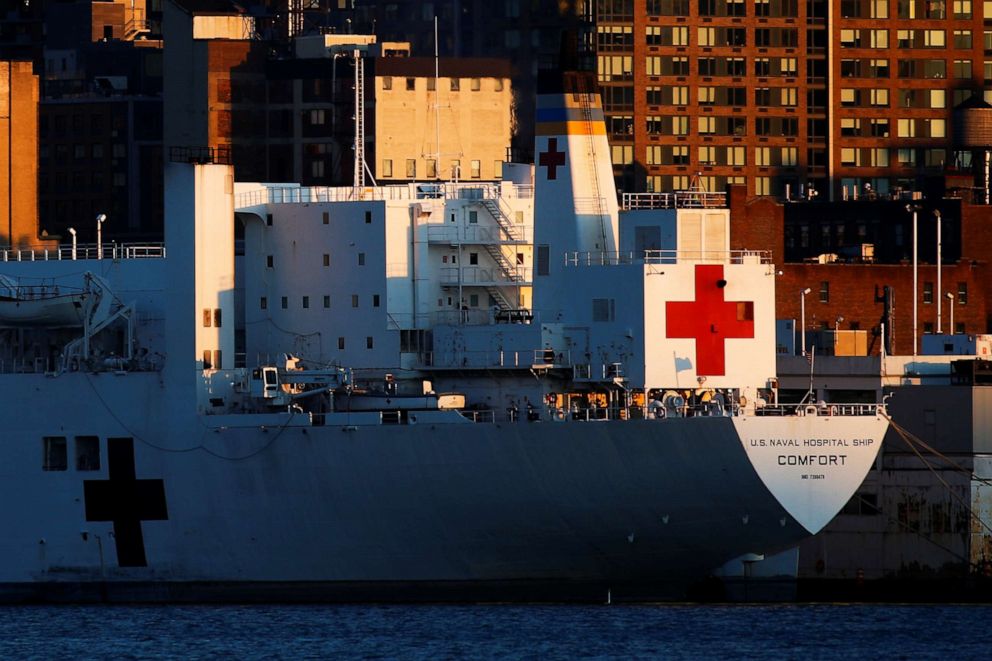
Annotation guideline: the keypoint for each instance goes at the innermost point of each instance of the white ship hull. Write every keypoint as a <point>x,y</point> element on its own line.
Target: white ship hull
<point>280,509</point>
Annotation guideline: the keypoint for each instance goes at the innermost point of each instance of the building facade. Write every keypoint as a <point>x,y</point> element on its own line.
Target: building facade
<point>784,96</point>
<point>18,154</point>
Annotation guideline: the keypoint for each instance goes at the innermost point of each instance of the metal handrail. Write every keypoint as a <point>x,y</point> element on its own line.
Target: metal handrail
<point>614,258</point>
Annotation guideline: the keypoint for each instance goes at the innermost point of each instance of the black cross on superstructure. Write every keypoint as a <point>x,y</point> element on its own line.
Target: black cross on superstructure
<point>126,501</point>
<point>552,159</point>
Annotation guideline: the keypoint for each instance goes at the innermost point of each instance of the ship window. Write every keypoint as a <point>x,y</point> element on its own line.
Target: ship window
<point>368,217</point>
<point>341,343</point>
<point>269,261</point>
<point>375,300</point>
<point>603,309</point>
<point>473,258</point>
<point>411,84</point>
<point>217,318</point>
<point>520,258</point>
<point>387,167</point>
<point>326,217</point>
<point>217,361</point>
<point>361,259</point>
<point>268,219</point>
<point>327,259</point>
<point>354,300</point>
<point>476,84</point>
<point>473,217</point>
<point>87,453</point>
<point>476,169</point>
<point>55,458</point>
<point>369,344</point>
<point>411,168</point>
<point>306,302</point>
<point>543,260</point>
<point>207,317</point>
<point>473,300</point>
<point>327,301</point>
<point>285,302</point>
<point>263,303</point>
<point>456,84</point>
<point>206,359</point>
<point>387,82</point>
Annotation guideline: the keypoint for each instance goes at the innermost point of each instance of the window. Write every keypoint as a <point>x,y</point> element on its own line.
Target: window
<point>54,457</point>
<point>269,261</point>
<point>268,220</point>
<point>284,301</point>
<point>928,293</point>
<point>825,284</point>
<point>456,84</point>
<point>473,258</point>
<point>327,259</point>
<point>87,453</point>
<point>217,317</point>
<point>411,168</point>
<point>207,360</point>
<point>368,217</point>
<point>325,217</point>
<point>263,303</point>
<point>375,300</point>
<point>603,309</point>
<point>476,84</point>
<point>354,300</point>
<point>543,260</point>
<point>327,301</point>
<point>962,293</point>
<point>387,167</point>
<point>340,344</point>
<point>207,318</point>
<point>306,302</point>
<point>431,168</point>
<point>476,169</point>
<point>411,84</point>
<point>361,259</point>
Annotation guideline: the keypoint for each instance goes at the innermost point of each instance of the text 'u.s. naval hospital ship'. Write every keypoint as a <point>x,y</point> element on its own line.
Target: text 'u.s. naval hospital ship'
<point>451,391</point>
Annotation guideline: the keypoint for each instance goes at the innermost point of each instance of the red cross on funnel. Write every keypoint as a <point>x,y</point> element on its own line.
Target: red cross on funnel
<point>709,320</point>
<point>552,158</point>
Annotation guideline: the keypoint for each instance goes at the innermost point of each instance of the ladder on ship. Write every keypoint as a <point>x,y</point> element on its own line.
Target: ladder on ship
<point>584,96</point>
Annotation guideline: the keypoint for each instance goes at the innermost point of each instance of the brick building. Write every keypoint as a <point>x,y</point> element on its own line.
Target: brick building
<point>847,281</point>
<point>18,154</point>
<point>282,115</point>
<point>778,93</point>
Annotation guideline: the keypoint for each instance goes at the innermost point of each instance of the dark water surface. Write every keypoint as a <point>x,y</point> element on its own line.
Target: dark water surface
<point>845,632</point>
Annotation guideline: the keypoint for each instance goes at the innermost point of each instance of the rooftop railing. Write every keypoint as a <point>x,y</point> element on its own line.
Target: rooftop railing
<point>606,258</point>
<point>412,191</point>
<point>83,251</point>
<point>676,200</point>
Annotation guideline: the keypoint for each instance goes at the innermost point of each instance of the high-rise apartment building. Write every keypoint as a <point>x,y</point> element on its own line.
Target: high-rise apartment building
<point>785,95</point>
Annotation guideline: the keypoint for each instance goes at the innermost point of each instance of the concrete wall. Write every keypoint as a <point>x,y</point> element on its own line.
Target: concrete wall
<point>474,125</point>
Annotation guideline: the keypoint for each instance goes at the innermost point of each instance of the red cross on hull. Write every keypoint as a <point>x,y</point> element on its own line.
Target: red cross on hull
<point>710,320</point>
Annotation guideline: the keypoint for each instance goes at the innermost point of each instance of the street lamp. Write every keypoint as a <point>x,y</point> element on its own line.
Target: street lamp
<point>940,305</point>
<point>802,308</point>
<point>838,323</point>
<point>950,297</point>
<point>100,219</point>
<point>72,231</point>
<point>912,208</point>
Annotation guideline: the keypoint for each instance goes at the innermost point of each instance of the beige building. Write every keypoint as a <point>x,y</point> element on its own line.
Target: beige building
<point>18,155</point>
<point>455,126</point>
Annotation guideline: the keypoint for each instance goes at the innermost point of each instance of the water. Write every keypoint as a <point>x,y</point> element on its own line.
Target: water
<point>952,633</point>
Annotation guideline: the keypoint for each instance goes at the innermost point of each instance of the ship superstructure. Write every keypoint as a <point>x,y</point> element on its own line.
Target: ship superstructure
<point>443,390</point>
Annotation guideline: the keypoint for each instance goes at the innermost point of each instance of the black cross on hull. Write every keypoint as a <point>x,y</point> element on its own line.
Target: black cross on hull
<point>126,501</point>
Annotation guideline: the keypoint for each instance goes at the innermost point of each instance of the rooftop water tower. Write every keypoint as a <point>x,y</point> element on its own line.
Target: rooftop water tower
<point>973,132</point>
